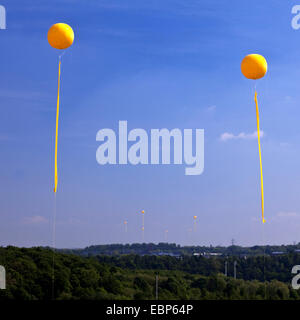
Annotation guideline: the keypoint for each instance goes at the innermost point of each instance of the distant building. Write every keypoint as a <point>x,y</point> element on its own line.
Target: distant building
<point>208,254</point>
<point>276,253</point>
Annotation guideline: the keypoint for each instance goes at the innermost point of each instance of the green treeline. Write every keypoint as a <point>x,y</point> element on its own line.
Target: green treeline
<point>29,277</point>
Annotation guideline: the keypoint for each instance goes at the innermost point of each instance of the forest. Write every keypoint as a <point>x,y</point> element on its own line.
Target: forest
<point>126,277</point>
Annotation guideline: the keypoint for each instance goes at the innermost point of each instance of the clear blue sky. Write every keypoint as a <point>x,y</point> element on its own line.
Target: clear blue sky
<point>156,64</point>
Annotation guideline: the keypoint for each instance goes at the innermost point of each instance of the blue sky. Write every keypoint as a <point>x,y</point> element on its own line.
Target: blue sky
<point>157,64</point>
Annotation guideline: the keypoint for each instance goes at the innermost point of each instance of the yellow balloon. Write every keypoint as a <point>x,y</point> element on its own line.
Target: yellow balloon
<point>60,36</point>
<point>254,66</point>
<point>195,217</point>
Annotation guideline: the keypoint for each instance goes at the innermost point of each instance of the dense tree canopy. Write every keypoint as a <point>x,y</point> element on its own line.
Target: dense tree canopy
<point>29,277</point>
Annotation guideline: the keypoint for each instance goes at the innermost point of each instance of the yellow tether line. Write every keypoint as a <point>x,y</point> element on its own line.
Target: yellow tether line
<point>260,162</point>
<point>56,132</point>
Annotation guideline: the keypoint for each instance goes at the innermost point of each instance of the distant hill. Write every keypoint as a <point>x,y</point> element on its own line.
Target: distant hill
<point>177,250</point>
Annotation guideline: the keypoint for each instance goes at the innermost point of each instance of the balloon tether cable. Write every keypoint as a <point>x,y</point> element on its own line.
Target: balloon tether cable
<point>262,194</point>
<point>55,175</point>
<point>53,246</point>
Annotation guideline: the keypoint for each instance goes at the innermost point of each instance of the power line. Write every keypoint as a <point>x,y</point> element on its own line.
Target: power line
<point>234,269</point>
<point>156,287</point>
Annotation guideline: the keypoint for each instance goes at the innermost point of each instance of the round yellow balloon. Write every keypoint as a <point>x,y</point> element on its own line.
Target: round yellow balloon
<point>143,211</point>
<point>254,66</point>
<point>60,36</point>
